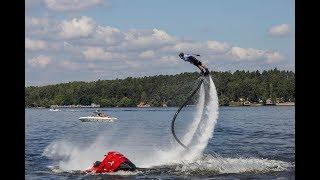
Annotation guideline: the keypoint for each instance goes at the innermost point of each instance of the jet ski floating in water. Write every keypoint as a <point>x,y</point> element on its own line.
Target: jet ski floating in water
<point>113,161</point>
<point>99,117</point>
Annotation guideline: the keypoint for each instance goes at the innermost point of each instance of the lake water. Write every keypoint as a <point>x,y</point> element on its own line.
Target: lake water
<point>247,142</point>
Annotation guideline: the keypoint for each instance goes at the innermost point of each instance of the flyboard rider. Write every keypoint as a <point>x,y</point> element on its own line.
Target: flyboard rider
<point>204,72</point>
<point>191,59</point>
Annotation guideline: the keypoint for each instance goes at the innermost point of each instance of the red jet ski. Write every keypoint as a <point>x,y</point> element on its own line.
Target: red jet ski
<point>113,161</point>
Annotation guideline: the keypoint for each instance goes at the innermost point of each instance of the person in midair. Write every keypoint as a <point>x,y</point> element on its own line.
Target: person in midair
<point>190,58</point>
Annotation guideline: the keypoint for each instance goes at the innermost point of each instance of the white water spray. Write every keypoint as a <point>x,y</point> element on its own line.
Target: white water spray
<point>206,126</point>
<point>197,118</point>
<point>198,132</point>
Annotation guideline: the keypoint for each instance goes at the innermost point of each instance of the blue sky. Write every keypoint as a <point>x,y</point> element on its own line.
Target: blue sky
<point>69,40</point>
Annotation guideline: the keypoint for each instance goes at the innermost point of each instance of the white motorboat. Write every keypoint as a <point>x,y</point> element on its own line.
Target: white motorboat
<point>54,110</point>
<point>98,117</point>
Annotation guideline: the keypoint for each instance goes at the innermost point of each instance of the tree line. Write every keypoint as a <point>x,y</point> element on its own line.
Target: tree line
<point>171,90</point>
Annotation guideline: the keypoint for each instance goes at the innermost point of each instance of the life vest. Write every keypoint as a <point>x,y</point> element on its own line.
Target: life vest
<point>110,163</point>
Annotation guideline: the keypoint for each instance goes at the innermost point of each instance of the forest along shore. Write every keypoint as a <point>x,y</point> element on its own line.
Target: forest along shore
<point>239,88</point>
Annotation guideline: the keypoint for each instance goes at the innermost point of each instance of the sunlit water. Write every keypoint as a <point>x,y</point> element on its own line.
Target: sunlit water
<point>248,142</point>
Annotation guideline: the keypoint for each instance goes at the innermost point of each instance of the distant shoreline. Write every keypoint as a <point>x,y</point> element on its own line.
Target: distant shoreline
<point>255,105</point>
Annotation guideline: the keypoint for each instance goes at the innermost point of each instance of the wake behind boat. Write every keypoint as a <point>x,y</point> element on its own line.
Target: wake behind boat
<point>98,117</point>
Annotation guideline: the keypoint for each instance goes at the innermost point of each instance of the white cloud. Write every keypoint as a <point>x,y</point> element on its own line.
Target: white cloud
<point>92,53</point>
<point>67,64</point>
<point>71,5</point>
<point>95,42</point>
<point>98,53</point>
<point>40,61</point>
<point>33,21</point>
<point>161,35</point>
<point>77,27</point>
<point>188,46</point>
<point>217,47</point>
<point>35,44</point>
<point>146,39</point>
<point>109,34</point>
<point>167,61</point>
<point>131,64</point>
<point>41,27</point>
<point>274,57</point>
<point>249,54</point>
<point>147,54</point>
<point>279,30</point>
<point>107,49</point>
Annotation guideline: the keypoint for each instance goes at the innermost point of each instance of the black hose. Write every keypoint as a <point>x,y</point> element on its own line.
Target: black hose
<point>184,87</point>
<point>176,114</point>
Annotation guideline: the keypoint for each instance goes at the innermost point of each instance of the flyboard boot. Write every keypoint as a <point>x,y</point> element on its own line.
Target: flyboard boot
<point>202,73</point>
<point>207,72</point>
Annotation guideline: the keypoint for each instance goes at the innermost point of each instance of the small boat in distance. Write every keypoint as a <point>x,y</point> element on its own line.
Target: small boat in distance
<point>98,116</point>
<point>53,109</point>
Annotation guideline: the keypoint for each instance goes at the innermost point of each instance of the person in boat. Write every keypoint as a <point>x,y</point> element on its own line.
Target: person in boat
<point>113,162</point>
<point>191,59</point>
<point>100,114</point>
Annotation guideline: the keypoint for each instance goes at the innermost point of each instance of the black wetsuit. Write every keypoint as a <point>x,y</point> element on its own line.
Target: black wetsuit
<point>196,62</point>
<point>191,59</point>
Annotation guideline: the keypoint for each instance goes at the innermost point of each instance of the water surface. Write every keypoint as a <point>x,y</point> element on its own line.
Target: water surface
<point>248,142</point>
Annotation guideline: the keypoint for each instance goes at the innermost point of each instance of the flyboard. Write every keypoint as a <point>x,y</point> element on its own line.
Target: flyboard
<point>202,79</point>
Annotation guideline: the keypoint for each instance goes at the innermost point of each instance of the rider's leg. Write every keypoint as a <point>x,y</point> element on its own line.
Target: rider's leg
<point>205,69</point>
<point>201,69</point>
<point>203,66</point>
